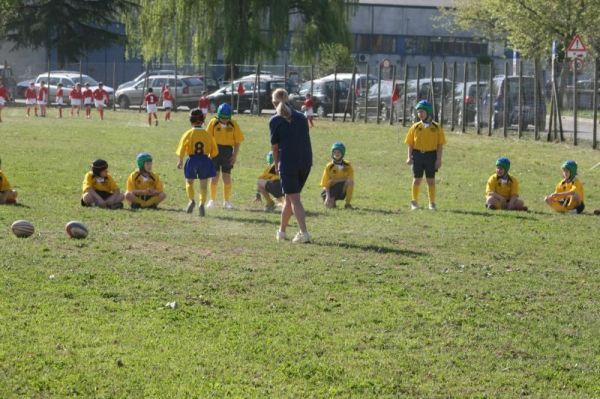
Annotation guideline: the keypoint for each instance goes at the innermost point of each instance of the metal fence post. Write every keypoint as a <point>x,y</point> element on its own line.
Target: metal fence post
<point>443,93</point>
<point>505,101</point>
<point>333,107</point>
<point>453,105</point>
<point>520,93</point>
<point>490,92</point>
<point>463,125</point>
<point>392,113</point>
<point>404,94</point>
<point>574,103</point>
<point>366,93</point>
<point>595,105</point>
<point>432,91</point>
<point>378,94</point>
<point>477,126</point>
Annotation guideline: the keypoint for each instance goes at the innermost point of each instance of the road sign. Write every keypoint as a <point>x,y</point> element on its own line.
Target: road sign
<point>576,48</point>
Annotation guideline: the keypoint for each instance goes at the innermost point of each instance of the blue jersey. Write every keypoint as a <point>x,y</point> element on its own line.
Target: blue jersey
<point>295,150</point>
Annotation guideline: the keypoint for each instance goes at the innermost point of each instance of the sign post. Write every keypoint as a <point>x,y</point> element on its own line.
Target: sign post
<point>576,51</point>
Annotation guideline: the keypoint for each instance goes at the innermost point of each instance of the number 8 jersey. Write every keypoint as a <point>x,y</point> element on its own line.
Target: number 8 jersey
<point>197,141</point>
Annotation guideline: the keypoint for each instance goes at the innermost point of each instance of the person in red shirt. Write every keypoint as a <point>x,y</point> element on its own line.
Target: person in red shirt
<point>167,101</point>
<point>204,103</point>
<point>59,99</point>
<point>150,102</point>
<point>42,98</point>
<point>88,97</point>
<point>100,99</point>
<point>31,99</point>
<point>75,98</point>
<point>307,107</point>
<point>3,98</point>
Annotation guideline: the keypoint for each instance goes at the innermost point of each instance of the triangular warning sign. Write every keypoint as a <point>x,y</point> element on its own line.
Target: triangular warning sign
<point>576,44</point>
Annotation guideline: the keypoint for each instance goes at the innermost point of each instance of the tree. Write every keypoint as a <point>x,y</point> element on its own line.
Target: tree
<point>71,27</point>
<point>334,56</point>
<point>245,30</point>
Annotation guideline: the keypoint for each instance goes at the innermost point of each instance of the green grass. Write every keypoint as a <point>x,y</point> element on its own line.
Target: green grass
<point>385,303</point>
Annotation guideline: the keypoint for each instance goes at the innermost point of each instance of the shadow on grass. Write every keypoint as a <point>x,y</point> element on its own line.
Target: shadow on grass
<point>503,214</point>
<point>372,248</point>
<point>18,205</point>
<point>246,220</point>
<point>377,210</point>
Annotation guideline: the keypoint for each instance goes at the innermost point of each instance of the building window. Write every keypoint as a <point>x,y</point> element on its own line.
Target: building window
<point>385,44</point>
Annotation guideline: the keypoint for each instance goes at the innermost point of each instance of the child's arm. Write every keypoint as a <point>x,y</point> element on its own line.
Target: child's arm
<point>440,152</point>
<point>275,150</point>
<point>409,159</point>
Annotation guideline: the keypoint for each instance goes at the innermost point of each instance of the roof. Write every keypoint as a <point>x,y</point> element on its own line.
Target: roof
<point>409,3</point>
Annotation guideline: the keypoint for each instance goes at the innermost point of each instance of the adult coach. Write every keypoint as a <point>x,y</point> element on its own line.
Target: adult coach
<point>292,155</point>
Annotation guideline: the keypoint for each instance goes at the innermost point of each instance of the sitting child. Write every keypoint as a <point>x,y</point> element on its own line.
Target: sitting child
<point>568,194</point>
<point>502,190</point>
<point>268,184</point>
<point>338,178</point>
<point>7,194</point>
<point>100,189</point>
<point>144,188</point>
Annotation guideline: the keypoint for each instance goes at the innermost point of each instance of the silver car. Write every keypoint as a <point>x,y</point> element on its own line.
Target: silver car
<point>68,79</point>
<point>189,89</point>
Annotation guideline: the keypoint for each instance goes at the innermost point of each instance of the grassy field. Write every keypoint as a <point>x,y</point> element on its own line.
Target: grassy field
<point>386,303</point>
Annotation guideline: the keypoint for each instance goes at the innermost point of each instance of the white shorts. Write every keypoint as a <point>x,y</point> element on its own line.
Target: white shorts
<point>87,101</point>
<point>30,101</point>
<point>308,112</point>
<point>76,102</point>
<point>59,101</point>
<point>99,103</point>
<point>167,104</point>
<point>41,102</point>
<point>2,101</point>
<point>151,108</point>
<point>204,111</point>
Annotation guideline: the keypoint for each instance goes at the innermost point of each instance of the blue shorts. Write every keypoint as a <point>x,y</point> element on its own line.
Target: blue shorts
<point>293,182</point>
<point>199,167</point>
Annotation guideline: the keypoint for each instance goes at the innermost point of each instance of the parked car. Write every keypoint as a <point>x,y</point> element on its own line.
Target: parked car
<point>209,84</point>
<point>427,93</point>
<point>470,100</point>
<point>363,82</point>
<point>68,78</point>
<point>322,95</point>
<point>379,102</point>
<point>495,94</point>
<point>143,75</point>
<point>187,92</point>
<point>250,99</point>
<point>8,80</point>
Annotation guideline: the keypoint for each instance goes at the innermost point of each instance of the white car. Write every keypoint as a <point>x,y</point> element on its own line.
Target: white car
<point>69,79</point>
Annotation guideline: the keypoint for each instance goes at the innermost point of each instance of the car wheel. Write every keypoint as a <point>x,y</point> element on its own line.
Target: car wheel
<point>357,114</point>
<point>459,118</point>
<point>321,111</point>
<point>384,113</point>
<point>124,102</point>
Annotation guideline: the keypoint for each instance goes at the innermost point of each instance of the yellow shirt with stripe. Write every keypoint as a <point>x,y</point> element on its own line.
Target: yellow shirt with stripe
<point>423,138</point>
<point>503,187</point>
<point>269,174</point>
<point>98,183</point>
<point>4,183</point>
<point>565,186</point>
<point>230,135</point>
<point>137,181</point>
<point>197,141</point>
<point>336,172</point>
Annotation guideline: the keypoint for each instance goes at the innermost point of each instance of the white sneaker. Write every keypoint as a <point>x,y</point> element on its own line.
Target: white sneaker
<point>210,204</point>
<point>414,206</point>
<point>227,205</point>
<point>432,206</point>
<point>280,235</point>
<point>301,238</point>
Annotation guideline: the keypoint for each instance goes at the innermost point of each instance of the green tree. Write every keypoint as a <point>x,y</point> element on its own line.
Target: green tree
<point>245,30</point>
<point>71,27</point>
<point>335,56</point>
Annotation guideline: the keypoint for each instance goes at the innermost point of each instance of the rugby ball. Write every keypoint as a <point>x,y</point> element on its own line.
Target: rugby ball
<point>22,228</point>
<point>76,229</point>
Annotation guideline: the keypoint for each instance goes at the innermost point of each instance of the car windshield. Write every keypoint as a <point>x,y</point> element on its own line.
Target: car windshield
<point>193,82</point>
<point>85,79</point>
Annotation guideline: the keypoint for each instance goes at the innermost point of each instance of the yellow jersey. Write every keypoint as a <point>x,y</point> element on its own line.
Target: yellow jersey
<point>425,138</point>
<point>4,184</point>
<point>230,134</point>
<point>269,174</point>
<point>137,181</point>
<point>98,183</point>
<point>197,141</point>
<point>336,172</point>
<point>565,186</point>
<point>503,187</point>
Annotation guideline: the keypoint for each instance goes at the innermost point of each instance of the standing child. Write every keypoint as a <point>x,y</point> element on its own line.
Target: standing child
<point>204,103</point>
<point>100,189</point>
<point>7,194</point>
<point>100,99</point>
<point>75,97</point>
<point>199,147</point>
<point>268,184</point>
<point>338,178</point>
<point>167,101</point>
<point>308,109</point>
<point>150,101</point>
<point>425,140</point>
<point>568,194</point>
<point>228,136</point>
<point>42,98</point>
<point>31,99</point>
<point>502,189</point>
<point>144,188</point>
<point>3,98</point>
<point>88,99</point>
<point>59,99</point>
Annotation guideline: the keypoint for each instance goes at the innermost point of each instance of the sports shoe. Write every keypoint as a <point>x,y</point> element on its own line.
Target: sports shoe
<point>597,212</point>
<point>227,205</point>
<point>414,206</point>
<point>432,206</point>
<point>190,206</point>
<point>280,235</point>
<point>135,206</point>
<point>270,207</point>
<point>210,204</point>
<point>348,206</point>
<point>301,238</point>
<point>201,211</point>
